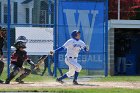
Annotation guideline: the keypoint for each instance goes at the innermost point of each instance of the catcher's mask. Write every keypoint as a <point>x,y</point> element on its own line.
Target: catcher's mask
<point>19,45</point>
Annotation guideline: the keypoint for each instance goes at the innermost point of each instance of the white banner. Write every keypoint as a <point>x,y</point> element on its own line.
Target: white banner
<point>39,41</point>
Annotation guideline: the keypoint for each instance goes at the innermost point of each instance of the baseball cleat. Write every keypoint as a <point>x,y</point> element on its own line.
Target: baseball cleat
<point>1,82</point>
<point>59,81</point>
<point>19,81</point>
<point>7,81</point>
<point>75,83</point>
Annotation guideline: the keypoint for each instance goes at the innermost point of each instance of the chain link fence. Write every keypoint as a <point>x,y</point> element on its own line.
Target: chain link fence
<point>28,14</point>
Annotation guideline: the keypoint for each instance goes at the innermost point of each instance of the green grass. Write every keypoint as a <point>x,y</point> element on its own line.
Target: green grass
<point>118,79</point>
<point>69,90</point>
<point>38,78</point>
<point>31,77</point>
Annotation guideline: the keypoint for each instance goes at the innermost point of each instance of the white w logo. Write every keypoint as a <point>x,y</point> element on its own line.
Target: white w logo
<point>83,21</point>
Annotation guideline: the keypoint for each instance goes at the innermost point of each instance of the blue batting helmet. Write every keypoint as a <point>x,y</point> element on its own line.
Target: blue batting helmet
<point>74,33</point>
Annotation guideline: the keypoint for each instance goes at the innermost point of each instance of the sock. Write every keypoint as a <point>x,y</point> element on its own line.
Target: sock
<point>63,77</point>
<point>76,76</point>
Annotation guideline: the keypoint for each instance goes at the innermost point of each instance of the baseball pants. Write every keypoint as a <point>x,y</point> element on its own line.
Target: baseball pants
<point>73,66</point>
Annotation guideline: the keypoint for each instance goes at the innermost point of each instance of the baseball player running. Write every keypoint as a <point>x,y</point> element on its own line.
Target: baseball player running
<point>73,46</point>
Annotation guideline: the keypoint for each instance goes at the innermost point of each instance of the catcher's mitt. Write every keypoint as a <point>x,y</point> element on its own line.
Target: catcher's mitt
<point>40,61</point>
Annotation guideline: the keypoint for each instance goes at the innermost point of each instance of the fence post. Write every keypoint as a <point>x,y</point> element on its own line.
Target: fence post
<point>8,37</point>
<point>55,37</point>
<point>106,40</point>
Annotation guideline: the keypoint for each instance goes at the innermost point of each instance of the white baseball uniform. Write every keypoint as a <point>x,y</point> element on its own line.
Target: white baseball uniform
<point>73,48</point>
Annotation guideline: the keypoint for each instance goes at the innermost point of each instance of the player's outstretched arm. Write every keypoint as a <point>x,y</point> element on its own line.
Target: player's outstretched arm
<point>67,44</point>
<point>58,49</point>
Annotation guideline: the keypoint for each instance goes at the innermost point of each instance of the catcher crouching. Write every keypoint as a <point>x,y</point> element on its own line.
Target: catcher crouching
<point>17,59</point>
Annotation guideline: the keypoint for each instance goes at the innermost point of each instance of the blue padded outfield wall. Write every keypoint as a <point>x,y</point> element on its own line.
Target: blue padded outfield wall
<point>89,18</point>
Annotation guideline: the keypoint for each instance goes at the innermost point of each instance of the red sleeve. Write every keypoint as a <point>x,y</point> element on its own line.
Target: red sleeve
<point>14,57</point>
<point>26,56</point>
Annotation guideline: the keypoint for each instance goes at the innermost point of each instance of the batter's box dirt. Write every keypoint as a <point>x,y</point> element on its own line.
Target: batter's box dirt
<point>131,85</point>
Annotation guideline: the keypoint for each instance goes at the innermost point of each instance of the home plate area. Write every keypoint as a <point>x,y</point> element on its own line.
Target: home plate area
<point>68,84</point>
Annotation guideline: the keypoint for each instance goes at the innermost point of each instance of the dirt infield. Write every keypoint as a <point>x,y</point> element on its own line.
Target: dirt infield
<point>68,84</point>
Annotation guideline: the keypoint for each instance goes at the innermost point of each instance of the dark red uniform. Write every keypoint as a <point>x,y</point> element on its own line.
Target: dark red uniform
<point>1,53</point>
<point>1,69</point>
<point>18,58</point>
<point>1,45</point>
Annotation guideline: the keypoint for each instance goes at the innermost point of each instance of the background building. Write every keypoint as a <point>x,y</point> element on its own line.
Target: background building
<point>21,11</point>
<point>124,37</point>
<point>27,12</point>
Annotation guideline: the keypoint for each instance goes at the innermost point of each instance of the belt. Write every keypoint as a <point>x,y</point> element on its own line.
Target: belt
<point>72,57</point>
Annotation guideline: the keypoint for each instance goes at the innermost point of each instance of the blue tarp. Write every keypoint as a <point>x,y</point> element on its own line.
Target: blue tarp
<point>88,17</point>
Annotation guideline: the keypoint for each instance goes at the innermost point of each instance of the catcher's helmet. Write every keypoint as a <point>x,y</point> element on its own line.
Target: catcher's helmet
<point>22,38</point>
<point>74,33</point>
<point>3,29</point>
<point>19,44</point>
